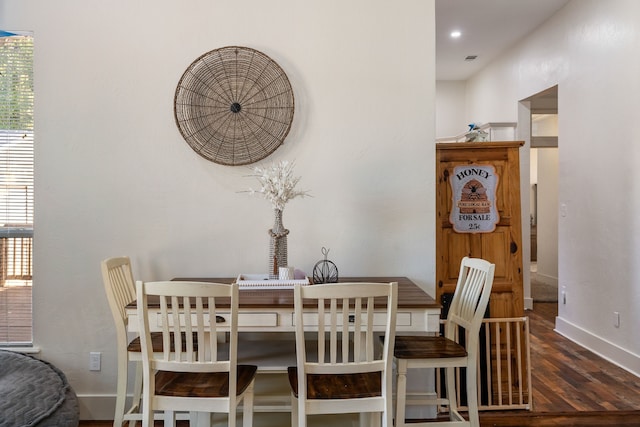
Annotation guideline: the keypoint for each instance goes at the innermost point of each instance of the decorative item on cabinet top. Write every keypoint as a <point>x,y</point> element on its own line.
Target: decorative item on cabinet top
<point>234,105</point>
<point>491,131</point>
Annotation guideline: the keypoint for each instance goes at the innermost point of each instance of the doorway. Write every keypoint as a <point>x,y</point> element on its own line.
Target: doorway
<point>543,200</point>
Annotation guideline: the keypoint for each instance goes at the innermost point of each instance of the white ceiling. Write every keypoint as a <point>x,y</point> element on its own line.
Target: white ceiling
<point>488,28</point>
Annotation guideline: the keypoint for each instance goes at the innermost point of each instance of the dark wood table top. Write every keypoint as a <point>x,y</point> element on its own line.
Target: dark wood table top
<point>410,295</point>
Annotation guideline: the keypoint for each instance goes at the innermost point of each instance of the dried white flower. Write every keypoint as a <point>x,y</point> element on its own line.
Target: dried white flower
<point>277,183</point>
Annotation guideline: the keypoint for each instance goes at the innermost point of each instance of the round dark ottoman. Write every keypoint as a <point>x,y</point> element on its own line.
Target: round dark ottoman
<point>34,393</point>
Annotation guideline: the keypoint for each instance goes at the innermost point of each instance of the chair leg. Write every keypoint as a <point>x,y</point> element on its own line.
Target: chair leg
<point>472,395</point>
<point>147,414</point>
<point>451,392</point>
<point>401,392</point>
<point>295,416</point>
<point>387,415</point>
<point>121,390</point>
<point>247,411</point>
<point>136,403</point>
<point>232,415</point>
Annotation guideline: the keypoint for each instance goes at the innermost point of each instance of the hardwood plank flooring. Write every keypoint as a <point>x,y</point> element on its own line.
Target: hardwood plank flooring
<point>567,377</point>
<point>566,419</point>
<point>572,387</point>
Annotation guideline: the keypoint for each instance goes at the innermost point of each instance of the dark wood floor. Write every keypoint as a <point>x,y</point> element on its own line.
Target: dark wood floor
<point>572,387</point>
<point>567,377</point>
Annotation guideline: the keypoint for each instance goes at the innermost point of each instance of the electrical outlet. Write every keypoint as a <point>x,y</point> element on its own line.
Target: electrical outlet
<point>616,319</point>
<point>94,360</point>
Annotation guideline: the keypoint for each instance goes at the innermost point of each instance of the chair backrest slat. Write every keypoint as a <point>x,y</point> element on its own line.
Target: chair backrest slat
<point>213,344</point>
<point>321,332</point>
<point>344,316</point>
<point>333,324</point>
<point>470,298</point>
<point>166,338</point>
<point>357,327</point>
<point>370,338</point>
<point>345,330</point>
<point>119,287</point>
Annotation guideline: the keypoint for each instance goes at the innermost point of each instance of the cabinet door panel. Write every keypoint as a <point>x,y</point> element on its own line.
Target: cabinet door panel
<point>502,246</point>
<point>454,247</point>
<point>495,249</point>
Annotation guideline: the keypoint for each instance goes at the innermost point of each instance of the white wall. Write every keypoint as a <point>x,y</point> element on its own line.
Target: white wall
<point>589,49</point>
<point>533,179</point>
<point>450,103</point>
<point>547,236</point>
<point>544,173</point>
<point>114,177</point>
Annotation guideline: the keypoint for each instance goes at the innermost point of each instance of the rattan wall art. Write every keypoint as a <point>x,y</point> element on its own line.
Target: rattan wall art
<point>234,105</point>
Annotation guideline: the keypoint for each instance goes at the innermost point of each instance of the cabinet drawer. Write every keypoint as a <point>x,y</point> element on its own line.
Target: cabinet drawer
<point>379,319</point>
<point>403,319</point>
<point>244,319</point>
<point>258,319</point>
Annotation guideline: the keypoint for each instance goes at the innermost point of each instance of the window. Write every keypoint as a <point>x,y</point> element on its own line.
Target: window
<point>16,187</point>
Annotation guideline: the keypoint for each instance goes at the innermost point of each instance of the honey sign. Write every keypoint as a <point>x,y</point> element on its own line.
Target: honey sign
<point>474,199</point>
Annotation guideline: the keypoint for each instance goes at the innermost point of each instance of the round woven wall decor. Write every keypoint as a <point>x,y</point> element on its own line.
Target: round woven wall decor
<point>234,105</point>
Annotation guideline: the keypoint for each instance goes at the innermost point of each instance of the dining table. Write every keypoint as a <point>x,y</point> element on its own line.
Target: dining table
<point>271,310</point>
<point>266,327</point>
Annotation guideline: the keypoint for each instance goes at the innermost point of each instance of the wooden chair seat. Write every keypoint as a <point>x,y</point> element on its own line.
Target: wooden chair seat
<point>427,347</point>
<point>339,386</point>
<point>203,384</point>
<point>156,340</point>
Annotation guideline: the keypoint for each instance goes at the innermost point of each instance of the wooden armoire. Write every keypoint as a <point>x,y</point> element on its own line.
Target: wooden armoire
<point>499,238</point>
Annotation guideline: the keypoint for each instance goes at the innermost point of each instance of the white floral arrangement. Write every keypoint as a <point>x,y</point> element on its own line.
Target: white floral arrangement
<point>277,183</point>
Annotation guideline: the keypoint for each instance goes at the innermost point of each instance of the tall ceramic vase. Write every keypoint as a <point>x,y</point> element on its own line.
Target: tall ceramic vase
<point>278,246</point>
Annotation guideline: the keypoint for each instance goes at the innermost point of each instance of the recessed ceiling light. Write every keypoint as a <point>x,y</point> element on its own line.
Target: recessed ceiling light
<point>455,34</point>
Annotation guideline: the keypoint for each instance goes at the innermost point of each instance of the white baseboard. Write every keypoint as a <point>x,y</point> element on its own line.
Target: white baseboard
<point>102,407</point>
<point>528,303</point>
<point>600,346</point>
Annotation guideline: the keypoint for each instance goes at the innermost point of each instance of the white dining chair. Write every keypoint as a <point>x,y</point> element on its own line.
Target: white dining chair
<point>194,372</point>
<point>120,289</point>
<point>350,373</point>
<point>464,319</point>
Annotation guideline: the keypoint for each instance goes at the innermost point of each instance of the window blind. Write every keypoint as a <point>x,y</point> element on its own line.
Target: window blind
<point>16,188</point>
<point>16,132</point>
